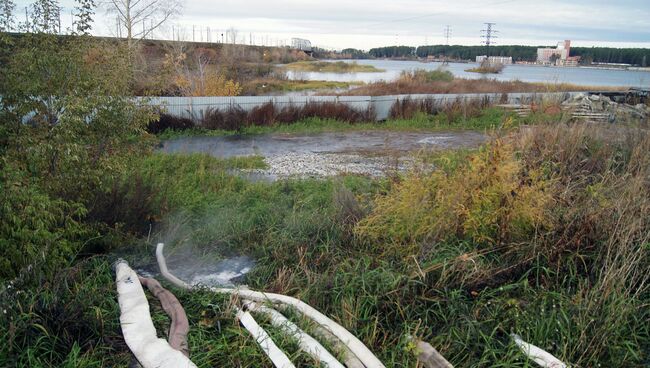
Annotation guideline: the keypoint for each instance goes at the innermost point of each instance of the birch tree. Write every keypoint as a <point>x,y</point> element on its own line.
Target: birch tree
<point>7,8</point>
<point>140,18</point>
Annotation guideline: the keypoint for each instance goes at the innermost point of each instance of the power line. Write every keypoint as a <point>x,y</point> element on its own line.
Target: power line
<point>447,34</point>
<point>488,35</point>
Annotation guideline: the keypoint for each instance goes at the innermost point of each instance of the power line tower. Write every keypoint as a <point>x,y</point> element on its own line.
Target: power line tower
<point>447,34</point>
<point>488,35</point>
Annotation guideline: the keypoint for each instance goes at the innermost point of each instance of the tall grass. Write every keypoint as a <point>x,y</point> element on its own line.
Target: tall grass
<point>269,114</point>
<point>543,232</point>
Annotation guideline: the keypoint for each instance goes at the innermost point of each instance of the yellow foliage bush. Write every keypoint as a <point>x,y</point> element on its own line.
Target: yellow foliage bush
<point>201,80</point>
<point>491,199</point>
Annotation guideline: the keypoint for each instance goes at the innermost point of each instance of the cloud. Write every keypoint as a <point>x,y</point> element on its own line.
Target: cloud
<point>370,23</point>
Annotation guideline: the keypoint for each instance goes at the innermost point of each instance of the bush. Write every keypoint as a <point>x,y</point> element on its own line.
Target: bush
<point>38,234</point>
<point>492,200</point>
<point>169,122</point>
<point>423,76</point>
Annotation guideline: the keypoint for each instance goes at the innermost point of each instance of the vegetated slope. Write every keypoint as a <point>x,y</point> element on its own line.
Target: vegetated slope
<point>543,232</point>
<point>440,81</point>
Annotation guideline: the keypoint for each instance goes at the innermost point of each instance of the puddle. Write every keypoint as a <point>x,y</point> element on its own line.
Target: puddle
<point>227,272</point>
<point>370,153</point>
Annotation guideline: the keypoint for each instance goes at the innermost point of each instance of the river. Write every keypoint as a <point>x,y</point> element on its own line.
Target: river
<point>526,73</point>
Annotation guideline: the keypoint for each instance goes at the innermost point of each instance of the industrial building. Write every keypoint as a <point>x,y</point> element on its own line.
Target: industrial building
<point>559,56</point>
<point>494,60</point>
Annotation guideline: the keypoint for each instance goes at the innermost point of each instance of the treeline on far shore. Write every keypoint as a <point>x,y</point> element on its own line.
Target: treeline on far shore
<point>640,57</point>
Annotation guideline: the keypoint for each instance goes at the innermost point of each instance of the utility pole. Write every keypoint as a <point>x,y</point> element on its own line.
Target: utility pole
<point>489,34</point>
<point>447,34</point>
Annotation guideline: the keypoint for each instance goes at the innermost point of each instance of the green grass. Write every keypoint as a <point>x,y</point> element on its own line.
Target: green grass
<point>488,119</point>
<point>332,67</point>
<point>267,86</point>
<point>301,232</point>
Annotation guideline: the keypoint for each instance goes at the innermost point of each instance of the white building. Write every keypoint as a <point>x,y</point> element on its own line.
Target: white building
<point>494,60</point>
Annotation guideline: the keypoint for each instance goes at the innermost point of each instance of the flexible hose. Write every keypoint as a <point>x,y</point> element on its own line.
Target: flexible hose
<point>263,339</point>
<point>137,326</point>
<point>306,343</point>
<point>352,342</point>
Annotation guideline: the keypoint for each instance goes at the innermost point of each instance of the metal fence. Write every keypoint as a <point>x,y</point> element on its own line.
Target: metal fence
<point>195,107</point>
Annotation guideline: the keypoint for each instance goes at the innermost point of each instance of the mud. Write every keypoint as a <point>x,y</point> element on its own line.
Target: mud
<point>315,155</point>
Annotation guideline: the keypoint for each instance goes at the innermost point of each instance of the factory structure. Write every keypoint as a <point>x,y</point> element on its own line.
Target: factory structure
<point>494,60</point>
<point>558,56</point>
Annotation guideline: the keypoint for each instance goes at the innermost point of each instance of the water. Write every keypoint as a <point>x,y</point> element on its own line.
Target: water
<point>371,153</point>
<point>374,142</point>
<point>525,73</point>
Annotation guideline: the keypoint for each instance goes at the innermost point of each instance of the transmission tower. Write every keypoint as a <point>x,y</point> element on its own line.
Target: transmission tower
<point>447,34</point>
<point>488,35</point>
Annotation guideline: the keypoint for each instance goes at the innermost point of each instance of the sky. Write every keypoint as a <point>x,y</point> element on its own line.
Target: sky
<point>364,24</point>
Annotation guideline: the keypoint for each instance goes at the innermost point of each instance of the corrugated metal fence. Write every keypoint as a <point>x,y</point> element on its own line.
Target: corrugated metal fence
<point>195,107</point>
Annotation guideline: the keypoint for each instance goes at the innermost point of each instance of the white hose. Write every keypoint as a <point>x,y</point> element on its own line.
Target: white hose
<point>274,353</point>
<point>538,355</point>
<point>306,343</point>
<point>137,326</point>
<point>352,342</point>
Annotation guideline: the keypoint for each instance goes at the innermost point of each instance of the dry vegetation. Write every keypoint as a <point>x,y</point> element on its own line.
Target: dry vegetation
<point>182,69</point>
<point>269,114</point>
<point>332,67</point>
<point>418,82</point>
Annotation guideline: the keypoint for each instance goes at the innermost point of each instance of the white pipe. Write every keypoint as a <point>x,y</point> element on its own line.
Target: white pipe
<point>137,326</point>
<point>539,356</point>
<point>306,343</point>
<point>352,342</point>
<point>274,353</point>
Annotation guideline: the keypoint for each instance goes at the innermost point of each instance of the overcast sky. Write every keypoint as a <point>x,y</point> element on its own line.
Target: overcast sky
<point>365,24</point>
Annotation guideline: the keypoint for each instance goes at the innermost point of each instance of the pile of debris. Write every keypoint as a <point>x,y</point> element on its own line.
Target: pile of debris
<point>597,108</point>
<point>592,107</point>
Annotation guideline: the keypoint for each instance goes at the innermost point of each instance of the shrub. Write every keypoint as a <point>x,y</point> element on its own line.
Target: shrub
<point>169,122</point>
<point>491,200</point>
<point>38,234</point>
<point>424,76</point>
<point>233,118</point>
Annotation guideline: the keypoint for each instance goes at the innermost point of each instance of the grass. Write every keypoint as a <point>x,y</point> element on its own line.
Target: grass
<point>487,68</point>
<point>410,85</point>
<point>266,86</point>
<point>571,279</point>
<point>451,119</point>
<point>332,67</point>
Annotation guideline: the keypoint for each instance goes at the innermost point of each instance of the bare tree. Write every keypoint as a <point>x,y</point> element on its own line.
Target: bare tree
<point>232,34</point>
<point>139,18</point>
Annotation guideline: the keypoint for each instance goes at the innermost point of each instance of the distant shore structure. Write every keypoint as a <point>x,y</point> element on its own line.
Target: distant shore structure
<point>494,60</point>
<point>301,44</point>
<point>558,56</point>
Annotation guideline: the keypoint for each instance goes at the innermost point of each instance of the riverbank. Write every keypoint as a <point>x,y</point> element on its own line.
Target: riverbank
<point>331,67</point>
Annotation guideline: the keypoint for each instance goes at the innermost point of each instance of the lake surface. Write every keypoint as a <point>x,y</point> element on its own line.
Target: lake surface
<point>525,73</point>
